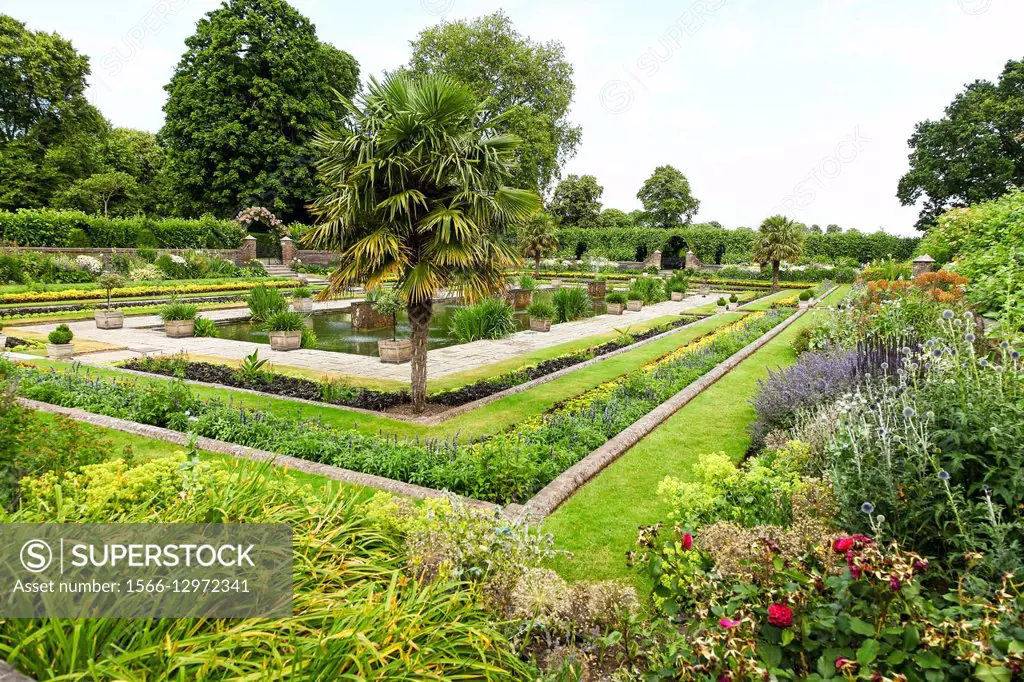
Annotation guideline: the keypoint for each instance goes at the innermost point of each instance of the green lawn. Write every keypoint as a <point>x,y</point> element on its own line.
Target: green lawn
<point>149,448</point>
<point>486,420</point>
<point>599,523</point>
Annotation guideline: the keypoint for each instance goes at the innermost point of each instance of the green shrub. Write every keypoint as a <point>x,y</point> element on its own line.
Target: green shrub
<point>802,342</point>
<point>309,338</point>
<point>302,292</point>
<point>887,269</point>
<point>46,227</point>
<point>527,283</point>
<point>650,290</point>
<point>678,283</point>
<point>571,303</point>
<point>146,240</point>
<point>491,318</point>
<point>722,303</point>
<point>542,309</point>
<point>110,281</point>
<point>78,239</point>
<point>285,321</point>
<point>61,335</point>
<point>176,311</point>
<point>734,299</point>
<point>387,302</point>
<point>806,295</point>
<point>206,328</point>
<point>617,298</point>
<point>11,271</point>
<point>265,302</point>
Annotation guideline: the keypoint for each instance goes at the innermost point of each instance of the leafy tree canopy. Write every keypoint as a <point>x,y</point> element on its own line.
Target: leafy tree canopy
<point>974,153</point>
<point>99,193</point>
<point>779,239</point>
<point>667,198</point>
<point>613,217</point>
<point>244,104</point>
<point>577,201</point>
<point>530,83</point>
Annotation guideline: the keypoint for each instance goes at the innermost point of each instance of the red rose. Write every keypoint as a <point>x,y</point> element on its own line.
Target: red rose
<point>780,616</point>
<point>687,541</point>
<point>842,545</point>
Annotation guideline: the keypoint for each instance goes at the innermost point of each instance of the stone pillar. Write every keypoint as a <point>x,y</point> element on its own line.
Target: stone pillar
<point>247,252</point>
<point>288,251</point>
<point>654,259</point>
<point>923,265</point>
<point>692,262</point>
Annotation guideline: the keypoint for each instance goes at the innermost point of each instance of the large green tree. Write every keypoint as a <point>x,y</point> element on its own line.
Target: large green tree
<point>576,201</point>
<point>48,130</point>
<point>528,82</point>
<point>779,239</point>
<point>416,191</point>
<point>667,198</point>
<point>244,104</point>
<point>974,153</point>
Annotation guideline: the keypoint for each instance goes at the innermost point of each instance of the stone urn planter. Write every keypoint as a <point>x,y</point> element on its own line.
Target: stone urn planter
<point>677,296</point>
<point>109,319</point>
<point>365,318</point>
<point>597,289</point>
<point>538,325</point>
<point>180,329</point>
<point>616,308</point>
<point>62,351</point>
<point>395,352</point>
<point>634,306</point>
<point>733,307</point>
<point>556,283</point>
<point>302,305</point>
<point>520,299</point>
<point>285,341</point>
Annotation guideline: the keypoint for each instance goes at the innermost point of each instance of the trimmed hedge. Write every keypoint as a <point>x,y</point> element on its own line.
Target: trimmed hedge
<point>74,229</point>
<point>718,246</point>
<point>139,291</point>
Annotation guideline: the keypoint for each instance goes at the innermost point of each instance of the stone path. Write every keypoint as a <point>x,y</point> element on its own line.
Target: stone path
<point>144,336</point>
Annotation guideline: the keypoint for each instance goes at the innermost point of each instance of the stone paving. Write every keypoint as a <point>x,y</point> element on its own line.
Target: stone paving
<point>144,336</point>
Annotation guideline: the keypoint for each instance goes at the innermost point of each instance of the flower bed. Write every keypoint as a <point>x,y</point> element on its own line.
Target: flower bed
<point>509,467</point>
<point>135,292</point>
<point>336,393</point>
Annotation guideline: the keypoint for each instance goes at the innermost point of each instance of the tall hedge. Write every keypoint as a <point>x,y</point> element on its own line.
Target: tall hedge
<point>715,245</point>
<point>44,227</point>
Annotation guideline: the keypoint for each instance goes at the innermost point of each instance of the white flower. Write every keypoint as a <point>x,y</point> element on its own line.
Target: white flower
<point>178,259</point>
<point>89,264</point>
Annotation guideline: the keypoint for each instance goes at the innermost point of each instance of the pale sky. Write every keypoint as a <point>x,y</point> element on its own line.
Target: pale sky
<point>801,106</point>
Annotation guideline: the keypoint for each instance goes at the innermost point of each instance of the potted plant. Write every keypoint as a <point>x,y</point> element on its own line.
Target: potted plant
<point>722,305</point>
<point>677,286</point>
<point>394,351</point>
<point>734,302</point>
<point>108,318</point>
<point>302,300</point>
<point>179,319</point>
<point>541,313</point>
<point>285,331</point>
<point>635,299</point>
<point>805,298</point>
<point>616,302</point>
<point>520,297</point>
<point>60,346</point>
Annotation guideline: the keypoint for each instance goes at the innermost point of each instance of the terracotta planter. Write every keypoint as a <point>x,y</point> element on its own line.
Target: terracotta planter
<point>180,329</point>
<point>634,306</point>
<point>63,351</point>
<point>302,305</point>
<point>285,341</point>
<point>395,352</point>
<point>677,296</point>
<point>109,319</point>
<point>616,308</point>
<point>539,325</point>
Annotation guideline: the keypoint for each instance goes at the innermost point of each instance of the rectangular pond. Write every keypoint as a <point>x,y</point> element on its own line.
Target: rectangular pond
<point>334,331</point>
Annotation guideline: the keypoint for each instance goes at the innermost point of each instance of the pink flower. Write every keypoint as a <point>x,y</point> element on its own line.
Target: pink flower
<point>728,623</point>
<point>842,545</point>
<point>687,541</point>
<point>894,584</point>
<point>841,662</point>
<point>780,615</point>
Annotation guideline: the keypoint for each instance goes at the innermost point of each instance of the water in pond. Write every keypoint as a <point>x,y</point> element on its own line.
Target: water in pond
<point>334,331</point>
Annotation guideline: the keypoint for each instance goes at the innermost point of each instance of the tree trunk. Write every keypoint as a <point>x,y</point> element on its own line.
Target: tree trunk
<point>776,266</point>
<point>536,267</point>
<point>419,324</point>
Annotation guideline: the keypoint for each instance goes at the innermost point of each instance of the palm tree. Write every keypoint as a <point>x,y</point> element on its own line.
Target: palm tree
<point>539,239</point>
<point>780,239</point>
<point>415,194</point>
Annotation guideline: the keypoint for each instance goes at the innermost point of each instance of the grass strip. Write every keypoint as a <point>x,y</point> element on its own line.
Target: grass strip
<point>598,525</point>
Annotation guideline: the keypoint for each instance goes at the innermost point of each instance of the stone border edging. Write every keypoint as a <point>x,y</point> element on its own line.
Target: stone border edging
<point>555,493</point>
<point>9,673</point>
<point>251,454</point>
<point>424,421</point>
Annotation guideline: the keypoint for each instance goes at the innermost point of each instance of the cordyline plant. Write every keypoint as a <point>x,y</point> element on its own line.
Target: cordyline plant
<point>417,194</point>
